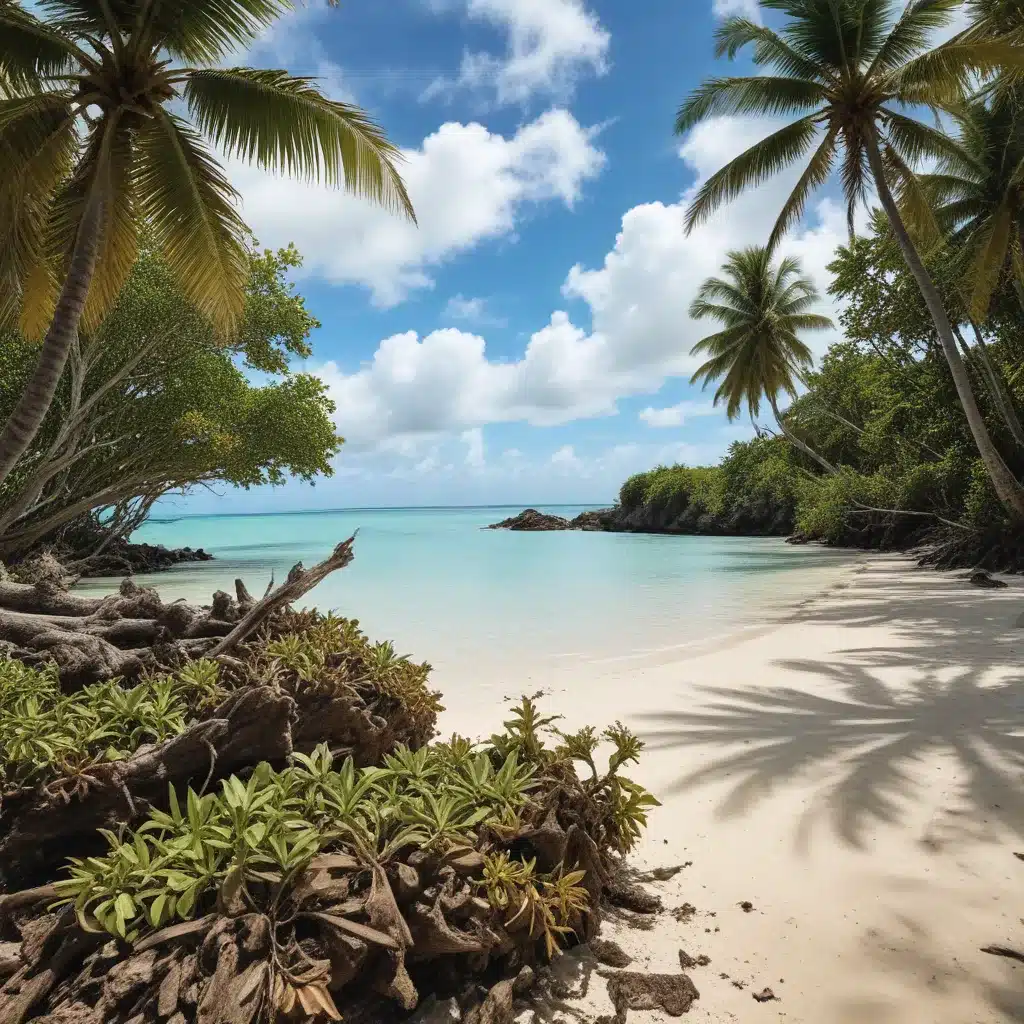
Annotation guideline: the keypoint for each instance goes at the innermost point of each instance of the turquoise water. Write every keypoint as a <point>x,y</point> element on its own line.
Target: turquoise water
<point>482,604</point>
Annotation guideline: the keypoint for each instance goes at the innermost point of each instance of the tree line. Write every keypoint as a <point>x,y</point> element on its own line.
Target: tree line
<point>147,344</point>
<point>910,429</point>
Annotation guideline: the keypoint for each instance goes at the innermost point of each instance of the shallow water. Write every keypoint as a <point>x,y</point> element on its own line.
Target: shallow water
<point>480,604</point>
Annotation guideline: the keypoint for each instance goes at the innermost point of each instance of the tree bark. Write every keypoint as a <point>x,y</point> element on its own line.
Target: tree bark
<point>797,443</point>
<point>1001,396</point>
<point>1007,487</point>
<point>28,415</point>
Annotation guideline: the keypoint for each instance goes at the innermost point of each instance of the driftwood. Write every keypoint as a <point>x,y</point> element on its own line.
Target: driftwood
<point>123,634</point>
<point>299,581</point>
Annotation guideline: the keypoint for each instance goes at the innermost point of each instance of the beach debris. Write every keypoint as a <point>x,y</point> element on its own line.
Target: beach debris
<point>684,913</point>
<point>766,995</point>
<point>666,873</point>
<point>630,896</point>
<point>609,953</point>
<point>686,962</point>
<point>746,906</point>
<point>981,578</point>
<point>631,990</point>
<point>1018,855</point>
<point>524,980</point>
<point>1006,951</point>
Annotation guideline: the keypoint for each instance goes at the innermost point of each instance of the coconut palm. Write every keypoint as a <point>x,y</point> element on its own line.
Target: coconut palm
<point>978,199</point>
<point>853,72</point>
<point>758,354</point>
<point>94,144</point>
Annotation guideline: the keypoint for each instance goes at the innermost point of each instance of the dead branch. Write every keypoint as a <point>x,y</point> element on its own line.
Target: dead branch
<point>298,582</point>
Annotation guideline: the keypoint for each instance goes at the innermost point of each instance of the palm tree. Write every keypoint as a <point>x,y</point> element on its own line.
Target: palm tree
<point>978,198</point>
<point>94,144</point>
<point>758,353</point>
<point>846,67</point>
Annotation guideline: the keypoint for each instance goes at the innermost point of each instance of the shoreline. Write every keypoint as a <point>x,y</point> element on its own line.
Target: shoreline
<point>854,773</point>
<point>849,764</point>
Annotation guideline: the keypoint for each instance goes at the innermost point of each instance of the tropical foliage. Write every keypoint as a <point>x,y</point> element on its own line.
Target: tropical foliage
<point>155,401</point>
<point>96,148</point>
<point>882,408</point>
<point>852,73</point>
<point>319,876</point>
<point>758,353</point>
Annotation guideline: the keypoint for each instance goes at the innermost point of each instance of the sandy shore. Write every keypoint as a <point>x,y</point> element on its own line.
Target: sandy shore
<point>854,771</point>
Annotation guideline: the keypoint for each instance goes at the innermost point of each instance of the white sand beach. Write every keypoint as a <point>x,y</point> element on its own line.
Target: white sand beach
<point>853,771</point>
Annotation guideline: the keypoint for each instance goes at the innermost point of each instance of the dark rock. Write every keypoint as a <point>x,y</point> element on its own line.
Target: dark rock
<point>746,906</point>
<point>980,578</point>
<point>673,993</point>
<point>531,519</point>
<point>765,995</point>
<point>629,896</point>
<point>524,981</point>
<point>593,521</point>
<point>611,954</point>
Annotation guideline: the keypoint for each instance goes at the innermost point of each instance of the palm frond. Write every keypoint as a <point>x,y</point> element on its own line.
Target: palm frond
<point>749,95</point>
<point>190,208</point>
<point>916,141</point>
<point>283,123</point>
<point>942,76</point>
<point>815,174</point>
<point>205,31</point>
<point>761,161</point>
<point>769,49</point>
<point>106,166</point>
<point>913,32</point>
<point>31,50</point>
<point>991,254</point>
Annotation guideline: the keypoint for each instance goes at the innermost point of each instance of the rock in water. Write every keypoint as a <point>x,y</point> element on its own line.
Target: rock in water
<point>531,519</point>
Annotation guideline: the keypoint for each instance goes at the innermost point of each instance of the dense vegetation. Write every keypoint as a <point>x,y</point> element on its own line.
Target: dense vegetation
<point>290,876</point>
<point>909,432</point>
<point>154,400</point>
<point>882,408</point>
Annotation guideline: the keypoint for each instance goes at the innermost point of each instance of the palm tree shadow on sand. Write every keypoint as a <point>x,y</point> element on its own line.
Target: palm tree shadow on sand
<point>864,745</point>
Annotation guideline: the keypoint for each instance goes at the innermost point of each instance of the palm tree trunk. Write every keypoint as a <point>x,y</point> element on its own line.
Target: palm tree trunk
<point>1006,486</point>
<point>35,401</point>
<point>797,443</point>
<point>1000,394</point>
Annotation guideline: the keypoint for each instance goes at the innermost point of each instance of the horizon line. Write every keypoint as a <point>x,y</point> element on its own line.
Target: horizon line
<point>373,508</point>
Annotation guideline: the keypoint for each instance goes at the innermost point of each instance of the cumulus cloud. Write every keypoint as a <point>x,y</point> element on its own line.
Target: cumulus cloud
<point>471,311</point>
<point>551,43</point>
<point>640,332</point>
<point>565,457</point>
<point>744,8</point>
<point>678,414</point>
<point>467,184</point>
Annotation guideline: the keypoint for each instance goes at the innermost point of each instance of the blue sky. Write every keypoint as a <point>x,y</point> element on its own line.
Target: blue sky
<point>529,341</point>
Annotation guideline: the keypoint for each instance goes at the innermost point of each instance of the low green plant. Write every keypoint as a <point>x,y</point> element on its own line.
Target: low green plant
<point>48,734</point>
<point>268,828</point>
<point>544,904</point>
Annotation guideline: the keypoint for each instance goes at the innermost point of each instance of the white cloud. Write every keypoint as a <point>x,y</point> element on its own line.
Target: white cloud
<point>678,414</point>
<point>640,332</point>
<point>474,440</point>
<point>550,44</point>
<point>744,8</point>
<point>467,184</point>
<point>471,311</point>
<point>565,457</point>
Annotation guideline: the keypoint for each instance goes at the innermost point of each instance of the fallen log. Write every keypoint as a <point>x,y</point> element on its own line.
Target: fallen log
<point>95,638</point>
